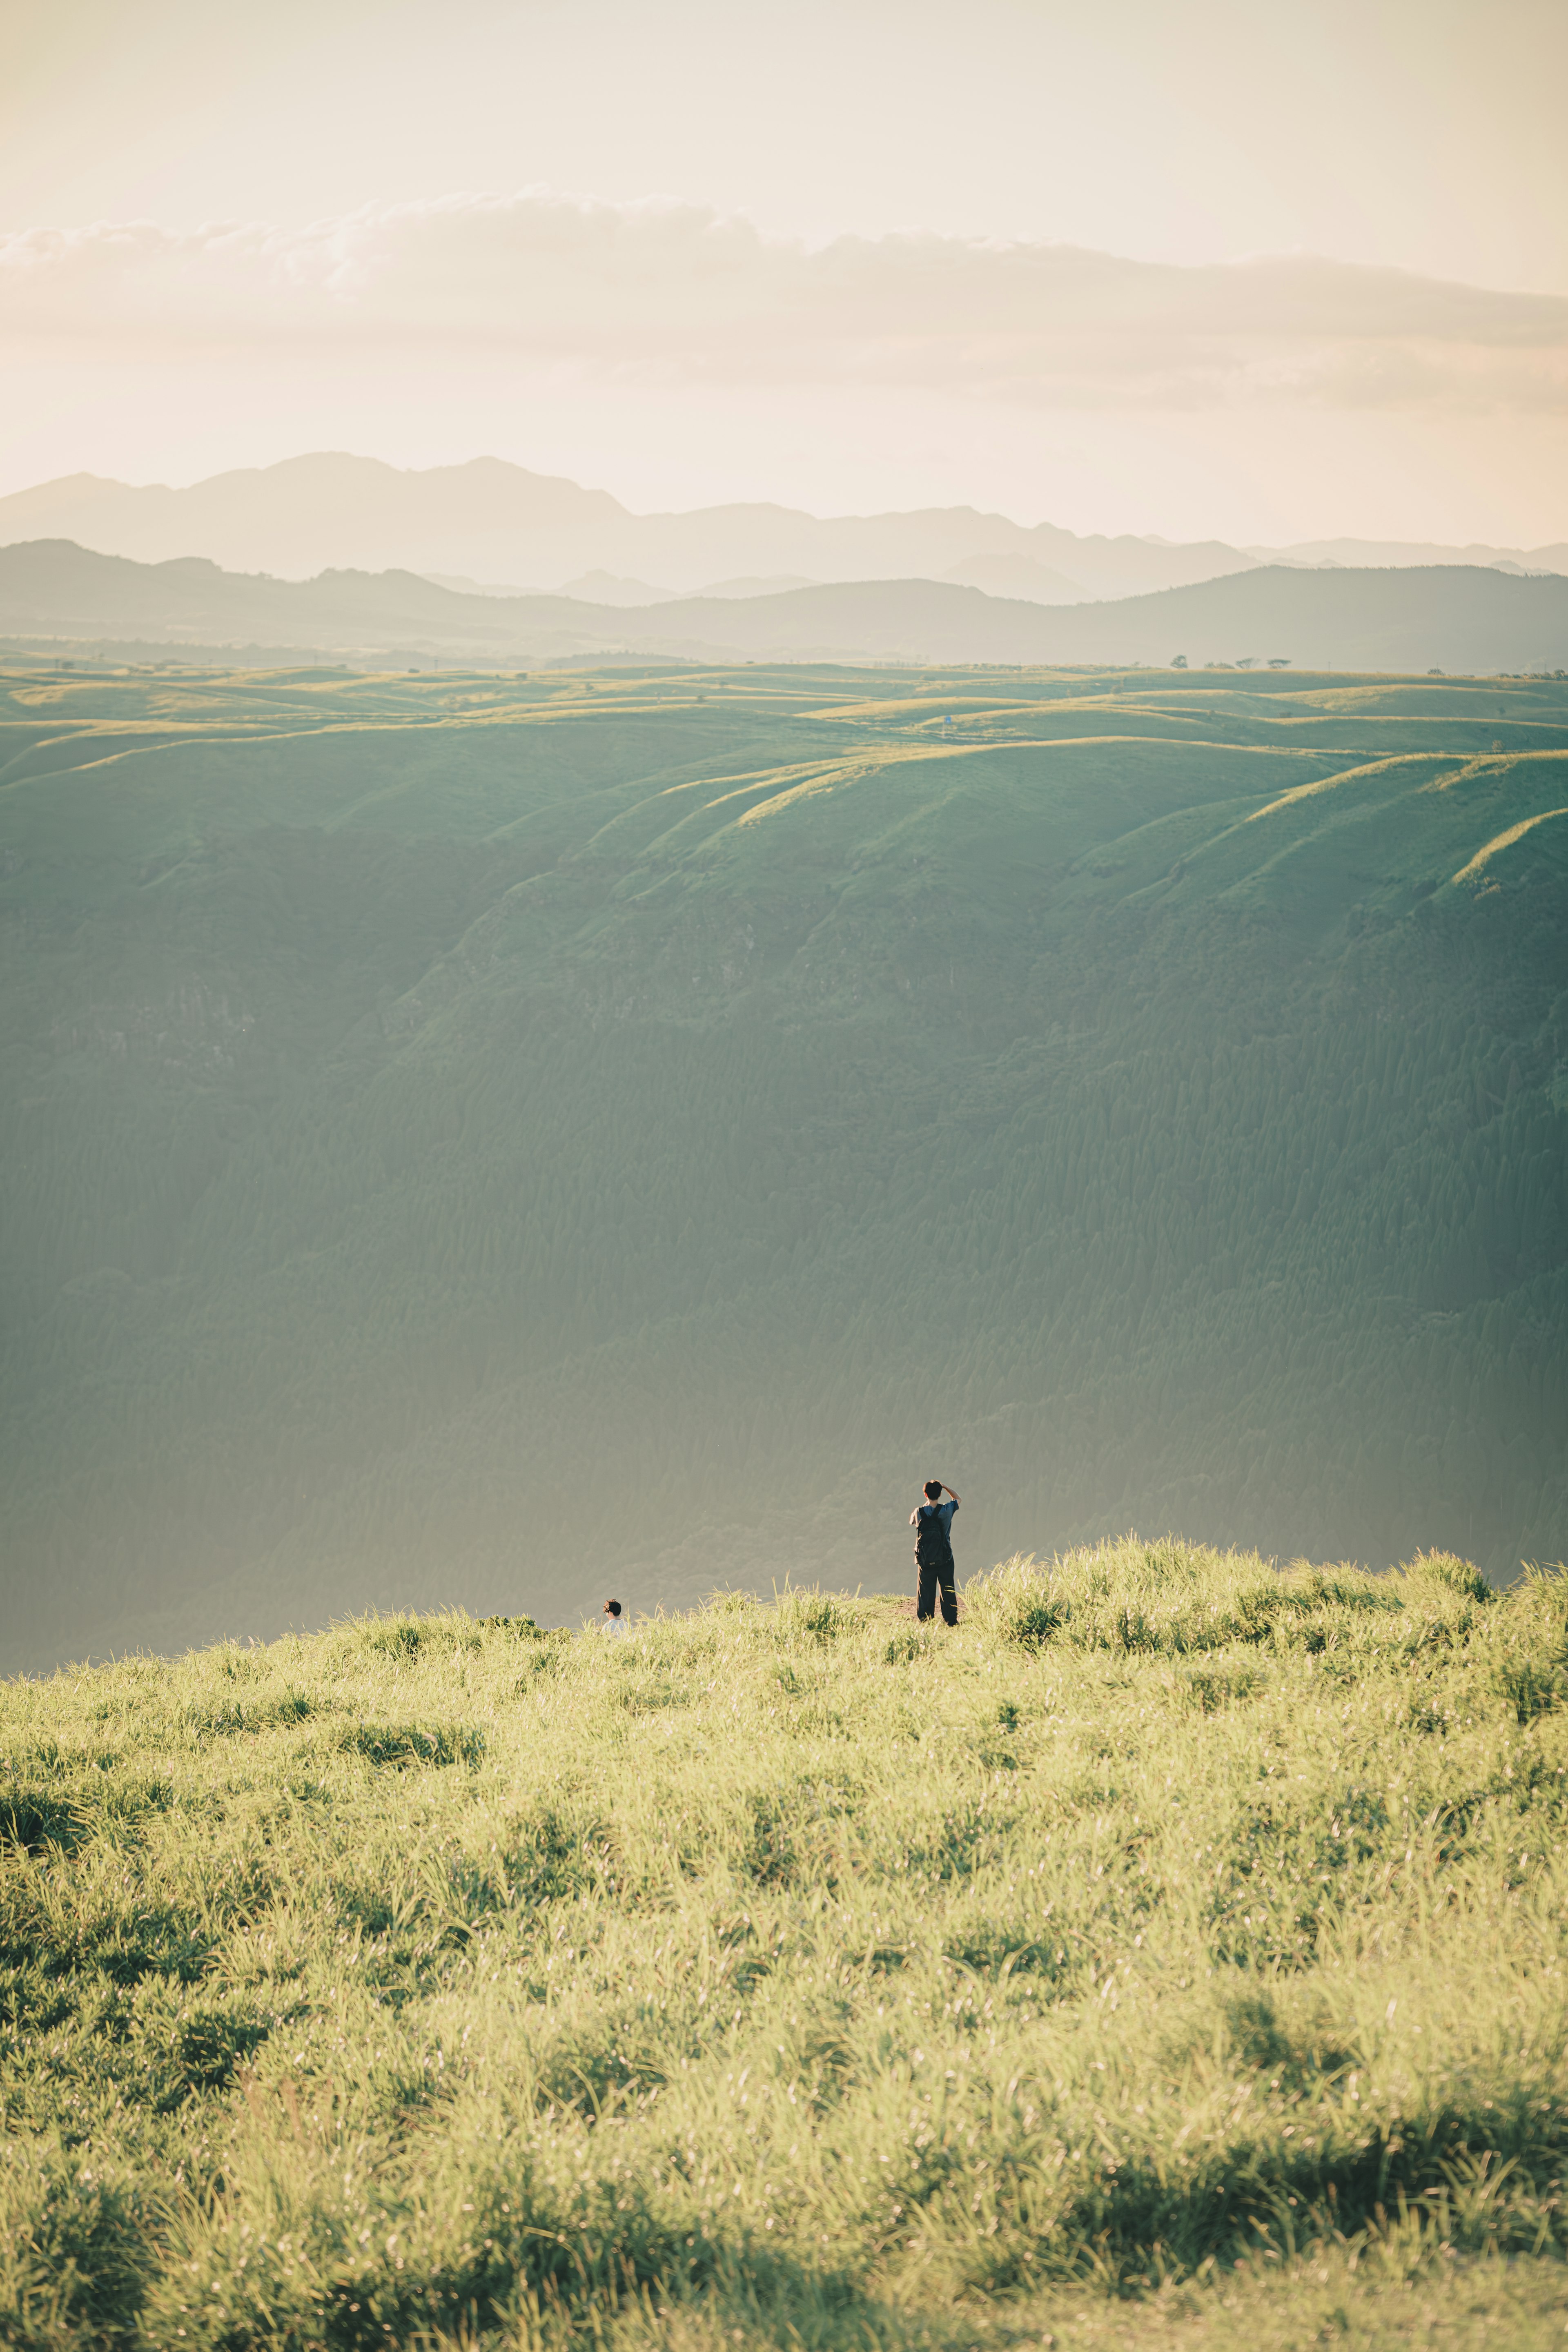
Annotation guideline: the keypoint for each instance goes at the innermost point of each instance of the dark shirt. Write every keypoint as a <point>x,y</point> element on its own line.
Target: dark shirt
<point>943,1511</point>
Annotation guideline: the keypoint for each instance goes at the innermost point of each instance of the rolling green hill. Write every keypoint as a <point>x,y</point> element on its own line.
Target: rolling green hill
<point>499,1139</point>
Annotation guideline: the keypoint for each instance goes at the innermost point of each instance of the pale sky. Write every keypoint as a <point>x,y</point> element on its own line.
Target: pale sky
<point>1214,271</point>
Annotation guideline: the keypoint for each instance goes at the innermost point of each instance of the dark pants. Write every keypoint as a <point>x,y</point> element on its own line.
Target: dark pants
<point>931,1577</point>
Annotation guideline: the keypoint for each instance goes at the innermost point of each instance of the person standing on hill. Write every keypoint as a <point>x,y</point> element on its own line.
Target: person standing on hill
<point>932,1523</point>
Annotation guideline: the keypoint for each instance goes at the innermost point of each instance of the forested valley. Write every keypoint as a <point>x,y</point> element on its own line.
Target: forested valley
<point>497,1141</point>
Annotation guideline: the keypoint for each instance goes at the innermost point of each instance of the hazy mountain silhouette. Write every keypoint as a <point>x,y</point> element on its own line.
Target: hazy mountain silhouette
<point>489,521</point>
<point>1362,552</point>
<point>1451,618</point>
<point>488,524</point>
<point>1017,575</point>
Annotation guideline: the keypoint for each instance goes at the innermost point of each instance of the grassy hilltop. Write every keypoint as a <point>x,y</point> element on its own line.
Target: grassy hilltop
<point>799,1975</point>
<point>461,1133</point>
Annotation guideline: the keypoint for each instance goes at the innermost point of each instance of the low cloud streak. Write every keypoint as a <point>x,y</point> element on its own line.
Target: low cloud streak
<point>662,292</point>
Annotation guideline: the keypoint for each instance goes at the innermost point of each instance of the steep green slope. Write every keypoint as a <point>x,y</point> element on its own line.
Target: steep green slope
<point>491,1140</point>
<point>801,1975</point>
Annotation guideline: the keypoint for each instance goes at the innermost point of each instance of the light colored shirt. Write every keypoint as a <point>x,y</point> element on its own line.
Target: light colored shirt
<point>615,1625</point>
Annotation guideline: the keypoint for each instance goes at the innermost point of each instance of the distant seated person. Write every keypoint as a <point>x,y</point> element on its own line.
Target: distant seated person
<point>932,1523</point>
<point>614,1622</point>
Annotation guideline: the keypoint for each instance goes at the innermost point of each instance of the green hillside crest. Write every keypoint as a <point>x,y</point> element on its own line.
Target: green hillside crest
<point>793,1973</point>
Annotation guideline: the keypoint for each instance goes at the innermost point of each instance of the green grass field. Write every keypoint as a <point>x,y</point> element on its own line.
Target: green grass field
<point>455,1132</point>
<point>1171,1955</point>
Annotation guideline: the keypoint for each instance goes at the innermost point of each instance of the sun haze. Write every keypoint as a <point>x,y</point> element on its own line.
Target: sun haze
<point>1255,275</point>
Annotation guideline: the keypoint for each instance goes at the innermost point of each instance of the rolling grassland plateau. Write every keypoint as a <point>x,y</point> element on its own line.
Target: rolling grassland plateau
<point>1170,1956</point>
<point>490,1141</point>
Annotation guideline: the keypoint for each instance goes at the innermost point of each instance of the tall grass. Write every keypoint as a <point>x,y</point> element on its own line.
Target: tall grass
<point>441,1976</point>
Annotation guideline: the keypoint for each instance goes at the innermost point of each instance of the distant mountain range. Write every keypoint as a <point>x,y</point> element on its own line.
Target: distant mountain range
<point>1330,554</point>
<point>1455,618</point>
<point>489,524</point>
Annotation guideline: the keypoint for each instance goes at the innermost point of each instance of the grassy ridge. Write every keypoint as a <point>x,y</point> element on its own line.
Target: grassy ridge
<point>784,1968</point>
<point>453,1132</point>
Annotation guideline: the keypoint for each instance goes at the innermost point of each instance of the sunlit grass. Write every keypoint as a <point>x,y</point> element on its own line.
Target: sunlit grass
<point>796,1967</point>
